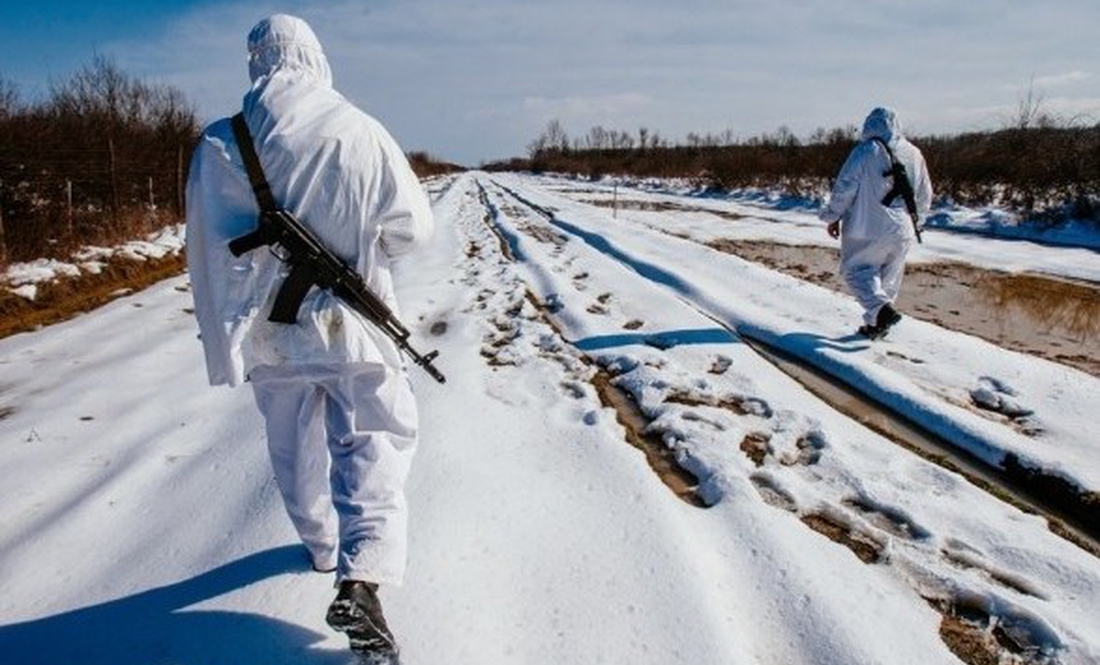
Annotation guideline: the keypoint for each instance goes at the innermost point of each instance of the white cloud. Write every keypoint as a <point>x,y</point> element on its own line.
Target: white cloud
<point>586,110</point>
<point>476,79</point>
<point>1059,80</point>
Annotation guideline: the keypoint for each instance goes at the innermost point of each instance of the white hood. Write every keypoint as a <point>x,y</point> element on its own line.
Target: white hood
<point>334,168</point>
<point>285,43</point>
<point>882,123</point>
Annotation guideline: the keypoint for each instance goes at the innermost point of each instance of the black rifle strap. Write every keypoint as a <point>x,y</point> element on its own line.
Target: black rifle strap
<point>886,146</point>
<point>256,176</point>
<point>897,171</point>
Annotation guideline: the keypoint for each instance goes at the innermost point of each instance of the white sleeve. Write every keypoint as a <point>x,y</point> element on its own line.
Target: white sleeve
<point>846,187</point>
<point>199,269</point>
<point>923,188</point>
<point>403,213</point>
<point>218,207</point>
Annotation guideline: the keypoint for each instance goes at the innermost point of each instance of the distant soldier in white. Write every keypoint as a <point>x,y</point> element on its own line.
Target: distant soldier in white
<point>876,207</point>
<point>340,415</point>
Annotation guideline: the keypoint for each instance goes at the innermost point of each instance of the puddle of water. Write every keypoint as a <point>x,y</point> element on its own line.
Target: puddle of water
<point>1060,305</point>
<point>1045,316</point>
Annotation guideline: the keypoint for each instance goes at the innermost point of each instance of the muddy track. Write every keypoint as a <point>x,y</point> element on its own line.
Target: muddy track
<point>635,424</point>
<point>65,298</point>
<point>1069,512</point>
<point>1049,317</point>
<point>976,628</point>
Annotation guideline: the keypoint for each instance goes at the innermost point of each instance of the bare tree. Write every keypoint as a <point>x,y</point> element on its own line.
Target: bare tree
<point>9,98</point>
<point>597,138</point>
<point>1030,113</point>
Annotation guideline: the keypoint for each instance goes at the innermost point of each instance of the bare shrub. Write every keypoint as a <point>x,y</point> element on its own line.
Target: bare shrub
<point>1040,166</point>
<point>103,154</point>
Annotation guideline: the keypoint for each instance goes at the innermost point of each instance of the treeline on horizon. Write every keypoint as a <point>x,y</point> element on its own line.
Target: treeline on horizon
<point>1040,166</point>
<point>101,159</point>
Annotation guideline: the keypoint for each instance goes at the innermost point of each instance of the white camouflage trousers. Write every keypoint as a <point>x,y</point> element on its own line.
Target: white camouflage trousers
<point>873,268</point>
<point>341,443</point>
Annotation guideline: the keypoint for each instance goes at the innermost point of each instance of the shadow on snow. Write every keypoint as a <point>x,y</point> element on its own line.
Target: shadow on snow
<point>154,626</point>
<point>661,340</point>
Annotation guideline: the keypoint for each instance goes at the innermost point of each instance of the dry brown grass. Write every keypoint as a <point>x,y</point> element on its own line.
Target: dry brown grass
<point>65,298</point>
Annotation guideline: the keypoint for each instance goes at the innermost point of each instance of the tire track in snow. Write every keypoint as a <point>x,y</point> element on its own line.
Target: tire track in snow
<point>679,480</point>
<point>974,600</point>
<point>1069,507</point>
<point>1069,510</point>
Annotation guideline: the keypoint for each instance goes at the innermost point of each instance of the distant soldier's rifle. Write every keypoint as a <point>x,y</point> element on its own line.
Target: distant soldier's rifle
<point>902,187</point>
<point>311,263</point>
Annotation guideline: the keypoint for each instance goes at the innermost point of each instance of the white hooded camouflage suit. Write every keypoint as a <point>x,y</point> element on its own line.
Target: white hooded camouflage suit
<point>874,238</point>
<point>340,417</point>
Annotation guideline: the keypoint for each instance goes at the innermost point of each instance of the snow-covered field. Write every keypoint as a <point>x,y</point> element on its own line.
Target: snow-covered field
<point>141,523</point>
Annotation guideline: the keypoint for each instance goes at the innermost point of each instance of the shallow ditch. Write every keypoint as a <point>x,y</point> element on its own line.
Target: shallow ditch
<point>1070,513</point>
<point>1040,315</point>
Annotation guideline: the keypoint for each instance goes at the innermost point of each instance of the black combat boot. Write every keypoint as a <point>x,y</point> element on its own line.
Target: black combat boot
<point>358,612</point>
<point>887,317</point>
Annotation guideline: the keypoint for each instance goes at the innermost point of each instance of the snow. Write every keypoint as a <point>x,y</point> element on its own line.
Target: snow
<point>929,375</point>
<point>24,278</point>
<point>141,522</point>
<point>985,237</point>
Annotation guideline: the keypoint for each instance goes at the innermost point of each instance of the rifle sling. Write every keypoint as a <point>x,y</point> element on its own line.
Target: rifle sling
<point>260,186</point>
<point>904,190</point>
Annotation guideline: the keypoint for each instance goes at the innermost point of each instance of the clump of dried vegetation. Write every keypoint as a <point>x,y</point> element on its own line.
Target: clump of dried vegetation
<point>1041,166</point>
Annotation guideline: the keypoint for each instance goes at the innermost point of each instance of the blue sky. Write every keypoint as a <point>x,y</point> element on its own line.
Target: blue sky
<point>473,80</point>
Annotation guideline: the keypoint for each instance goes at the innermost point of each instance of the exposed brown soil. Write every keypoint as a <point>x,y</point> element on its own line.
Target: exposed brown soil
<point>65,298</point>
<point>755,446</point>
<point>660,457</point>
<point>1052,318</point>
<point>862,546</point>
<point>658,206</point>
<point>968,642</point>
<point>977,639</point>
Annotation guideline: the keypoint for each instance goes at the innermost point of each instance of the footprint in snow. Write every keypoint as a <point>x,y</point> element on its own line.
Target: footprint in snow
<point>990,629</point>
<point>891,520</point>
<point>993,394</point>
<point>965,557</point>
<point>720,365</point>
<point>773,493</point>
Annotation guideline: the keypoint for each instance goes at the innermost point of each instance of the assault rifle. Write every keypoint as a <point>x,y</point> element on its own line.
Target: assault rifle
<point>311,263</point>
<point>902,187</point>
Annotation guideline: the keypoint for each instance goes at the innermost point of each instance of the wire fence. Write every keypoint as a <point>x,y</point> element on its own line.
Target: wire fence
<point>66,198</point>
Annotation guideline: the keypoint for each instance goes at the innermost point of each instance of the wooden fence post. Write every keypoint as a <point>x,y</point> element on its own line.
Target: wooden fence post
<point>69,205</point>
<point>3,247</point>
<point>114,181</point>
<point>179,181</point>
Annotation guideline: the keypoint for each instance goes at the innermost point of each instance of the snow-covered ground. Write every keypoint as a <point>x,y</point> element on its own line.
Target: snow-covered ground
<point>1041,412</point>
<point>141,523</point>
<point>985,237</point>
<point>24,278</point>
